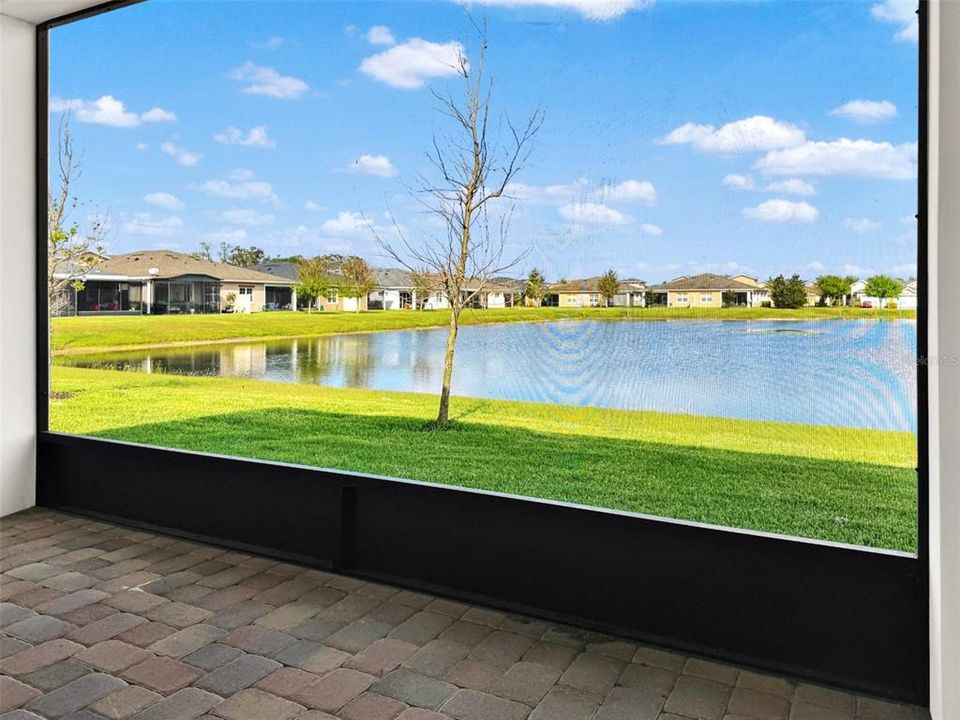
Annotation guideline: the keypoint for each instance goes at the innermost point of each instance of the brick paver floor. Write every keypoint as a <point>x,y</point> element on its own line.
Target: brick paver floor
<point>101,622</point>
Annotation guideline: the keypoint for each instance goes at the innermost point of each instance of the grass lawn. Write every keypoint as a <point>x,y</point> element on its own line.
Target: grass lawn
<point>90,333</point>
<point>842,484</point>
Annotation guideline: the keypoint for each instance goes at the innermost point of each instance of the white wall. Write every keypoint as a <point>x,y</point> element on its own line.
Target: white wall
<point>945,370</point>
<point>17,346</point>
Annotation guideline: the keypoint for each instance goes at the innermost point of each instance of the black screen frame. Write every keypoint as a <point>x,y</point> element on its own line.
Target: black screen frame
<point>807,608</point>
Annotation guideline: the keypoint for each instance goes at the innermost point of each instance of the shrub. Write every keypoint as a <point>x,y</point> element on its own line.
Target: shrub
<point>891,304</point>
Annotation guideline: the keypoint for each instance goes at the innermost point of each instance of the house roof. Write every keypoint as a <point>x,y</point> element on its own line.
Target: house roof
<point>704,281</point>
<point>591,285</point>
<point>393,278</point>
<point>279,268</point>
<point>171,264</point>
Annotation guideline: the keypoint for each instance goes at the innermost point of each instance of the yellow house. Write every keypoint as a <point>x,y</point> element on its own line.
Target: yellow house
<point>586,293</point>
<point>710,290</point>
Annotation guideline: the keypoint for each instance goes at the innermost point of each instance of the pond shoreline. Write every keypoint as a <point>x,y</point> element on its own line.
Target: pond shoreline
<point>106,350</point>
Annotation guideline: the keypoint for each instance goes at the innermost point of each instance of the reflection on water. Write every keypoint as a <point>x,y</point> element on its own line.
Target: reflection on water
<point>857,373</point>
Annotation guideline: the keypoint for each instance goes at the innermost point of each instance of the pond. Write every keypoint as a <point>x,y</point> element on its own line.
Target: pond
<point>856,373</point>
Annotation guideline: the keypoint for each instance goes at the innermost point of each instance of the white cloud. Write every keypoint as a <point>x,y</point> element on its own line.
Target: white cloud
<point>649,229</point>
<point>815,265</point>
<point>346,223</point>
<point>782,211</point>
<point>182,155</point>
<point>163,200</point>
<point>409,65</point>
<point>864,158</point>
<point>141,146</point>
<point>146,224</point>
<point>232,236</point>
<point>866,112</point>
<point>593,214</point>
<point>739,182</point>
<point>255,137</point>
<point>851,269</point>
<point>259,80</point>
<point>795,186</point>
<point>754,133</point>
<point>629,190</point>
<point>902,13</point>
<point>240,174</point>
<point>904,270</point>
<point>380,35</point>
<point>246,216</point>
<point>271,43</point>
<point>378,165</point>
<point>860,225</point>
<point>107,110</point>
<point>248,190</point>
<point>311,206</point>
<point>596,10</point>
<point>583,189</point>
<point>158,115</point>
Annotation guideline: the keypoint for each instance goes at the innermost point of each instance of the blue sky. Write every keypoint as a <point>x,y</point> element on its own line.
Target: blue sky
<point>679,137</point>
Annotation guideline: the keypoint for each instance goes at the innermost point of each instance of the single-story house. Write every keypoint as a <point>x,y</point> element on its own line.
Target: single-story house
<point>908,297</point>
<point>158,282</point>
<point>333,300</point>
<point>710,290</point>
<point>586,293</point>
<point>396,290</point>
<point>814,293</point>
<point>906,301</point>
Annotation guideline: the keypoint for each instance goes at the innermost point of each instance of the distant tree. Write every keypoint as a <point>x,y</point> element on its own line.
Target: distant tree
<point>608,286</point>
<point>834,287</point>
<point>535,288</point>
<point>883,287</point>
<point>71,251</point>
<point>649,298</point>
<point>728,298</point>
<point>241,256</point>
<point>786,293</point>
<point>313,275</point>
<point>204,252</point>
<point>358,278</point>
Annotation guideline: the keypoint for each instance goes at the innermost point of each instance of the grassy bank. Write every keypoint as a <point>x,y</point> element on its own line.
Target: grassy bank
<point>841,484</point>
<point>90,334</point>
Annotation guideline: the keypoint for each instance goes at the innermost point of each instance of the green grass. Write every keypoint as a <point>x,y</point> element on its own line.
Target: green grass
<point>841,484</point>
<point>90,333</point>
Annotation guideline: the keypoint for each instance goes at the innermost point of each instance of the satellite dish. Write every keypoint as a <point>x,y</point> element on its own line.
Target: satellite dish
<point>154,271</point>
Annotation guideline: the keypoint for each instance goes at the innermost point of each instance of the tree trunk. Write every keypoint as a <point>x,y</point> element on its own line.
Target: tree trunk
<point>443,415</point>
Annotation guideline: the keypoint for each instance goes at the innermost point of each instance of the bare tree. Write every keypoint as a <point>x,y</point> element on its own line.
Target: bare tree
<point>71,252</point>
<point>472,170</point>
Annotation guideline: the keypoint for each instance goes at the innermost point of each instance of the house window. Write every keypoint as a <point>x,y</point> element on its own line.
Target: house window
<point>706,299</point>
<point>332,299</point>
<point>246,290</point>
<point>682,298</point>
<point>594,299</point>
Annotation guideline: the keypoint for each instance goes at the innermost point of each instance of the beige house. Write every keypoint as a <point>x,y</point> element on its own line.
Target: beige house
<point>163,282</point>
<point>586,293</point>
<point>709,290</point>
